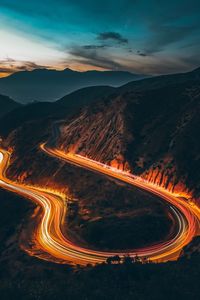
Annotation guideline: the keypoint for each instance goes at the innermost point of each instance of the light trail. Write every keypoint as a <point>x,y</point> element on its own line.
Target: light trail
<point>49,237</point>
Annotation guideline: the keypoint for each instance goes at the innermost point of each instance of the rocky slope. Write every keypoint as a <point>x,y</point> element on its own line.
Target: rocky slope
<point>98,133</point>
<point>154,133</point>
<point>150,127</point>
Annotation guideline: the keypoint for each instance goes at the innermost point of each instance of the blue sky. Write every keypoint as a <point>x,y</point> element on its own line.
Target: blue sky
<point>152,37</point>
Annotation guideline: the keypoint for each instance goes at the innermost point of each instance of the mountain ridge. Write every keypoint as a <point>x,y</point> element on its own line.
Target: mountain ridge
<point>51,85</point>
<point>151,131</point>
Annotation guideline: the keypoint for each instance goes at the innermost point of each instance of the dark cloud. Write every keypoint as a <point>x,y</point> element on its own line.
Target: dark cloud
<point>94,58</point>
<point>114,36</point>
<point>141,53</point>
<point>9,66</point>
<point>94,47</point>
<point>29,65</point>
<point>151,65</point>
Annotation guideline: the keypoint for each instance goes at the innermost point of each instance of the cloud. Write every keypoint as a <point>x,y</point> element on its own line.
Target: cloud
<point>4,70</point>
<point>110,32</point>
<point>112,36</point>
<point>164,35</point>
<point>29,65</point>
<point>9,66</point>
<point>94,58</point>
<point>94,47</point>
<point>141,53</point>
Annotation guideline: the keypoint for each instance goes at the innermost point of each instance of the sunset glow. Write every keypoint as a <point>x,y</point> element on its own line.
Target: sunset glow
<point>84,36</point>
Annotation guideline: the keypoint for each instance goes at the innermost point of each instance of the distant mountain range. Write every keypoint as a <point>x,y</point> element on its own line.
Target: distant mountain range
<point>50,85</point>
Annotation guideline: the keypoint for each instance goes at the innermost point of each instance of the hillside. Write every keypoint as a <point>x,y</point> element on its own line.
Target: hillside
<point>150,131</point>
<point>7,105</point>
<point>161,81</point>
<point>28,113</point>
<point>85,96</point>
<point>154,133</point>
<point>72,103</point>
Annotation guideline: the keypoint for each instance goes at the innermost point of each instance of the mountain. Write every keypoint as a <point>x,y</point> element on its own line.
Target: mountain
<point>7,105</point>
<point>50,85</point>
<point>150,127</point>
<point>153,133</point>
<point>90,95</point>
<point>27,113</point>
<point>161,81</point>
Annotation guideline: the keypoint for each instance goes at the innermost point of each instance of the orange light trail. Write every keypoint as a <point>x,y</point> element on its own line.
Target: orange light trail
<point>49,235</point>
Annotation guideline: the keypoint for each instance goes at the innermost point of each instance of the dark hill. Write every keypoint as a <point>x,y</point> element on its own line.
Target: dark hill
<point>7,105</point>
<point>50,85</point>
<point>161,81</point>
<point>86,96</point>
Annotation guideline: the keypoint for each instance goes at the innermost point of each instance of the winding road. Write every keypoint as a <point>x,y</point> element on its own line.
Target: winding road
<point>48,234</point>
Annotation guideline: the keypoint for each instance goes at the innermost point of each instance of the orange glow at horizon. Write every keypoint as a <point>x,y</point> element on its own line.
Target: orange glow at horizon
<point>75,67</point>
<point>5,74</point>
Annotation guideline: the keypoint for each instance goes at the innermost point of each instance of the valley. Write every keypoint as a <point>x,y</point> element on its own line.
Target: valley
<point>106,180</point>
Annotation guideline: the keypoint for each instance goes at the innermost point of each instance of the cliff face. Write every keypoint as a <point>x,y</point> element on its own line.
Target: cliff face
<point>164,174</point>
<point>152,133</point>
<point>166,150</point>
<point>98,133</point>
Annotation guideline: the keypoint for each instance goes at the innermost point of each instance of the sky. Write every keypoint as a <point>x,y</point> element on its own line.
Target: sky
<point>140,36</point>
